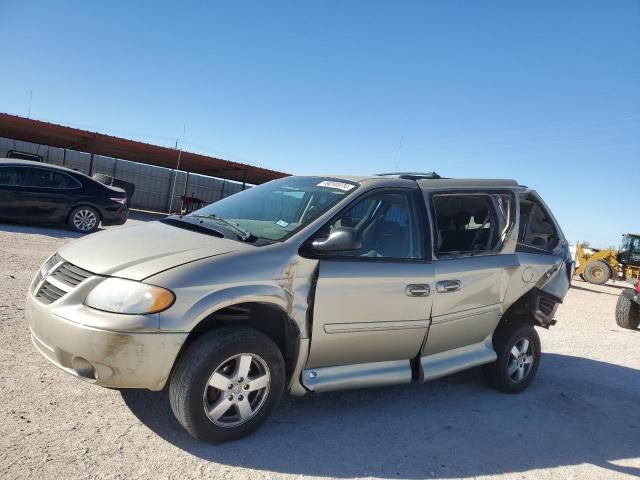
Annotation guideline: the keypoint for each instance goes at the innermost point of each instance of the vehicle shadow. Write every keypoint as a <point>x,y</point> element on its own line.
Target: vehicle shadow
<point>577,411</point>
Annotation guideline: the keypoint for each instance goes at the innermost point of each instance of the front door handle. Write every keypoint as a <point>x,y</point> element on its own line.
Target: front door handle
<point>417,290</point>
<point>445,286</point>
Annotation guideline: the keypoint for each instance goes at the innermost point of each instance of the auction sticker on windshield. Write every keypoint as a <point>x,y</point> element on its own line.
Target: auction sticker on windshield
<point>339,185</point>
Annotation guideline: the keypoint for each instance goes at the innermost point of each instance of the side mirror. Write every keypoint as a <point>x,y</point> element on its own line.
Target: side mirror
<point>341,239</point>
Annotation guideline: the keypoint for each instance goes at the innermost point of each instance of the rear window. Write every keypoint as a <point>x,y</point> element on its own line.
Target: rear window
<point>44,178</point>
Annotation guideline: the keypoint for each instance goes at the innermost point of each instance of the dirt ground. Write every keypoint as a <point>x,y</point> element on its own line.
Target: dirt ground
<point>580,419</point>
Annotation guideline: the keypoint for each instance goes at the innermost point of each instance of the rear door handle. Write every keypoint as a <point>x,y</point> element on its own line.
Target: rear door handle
<point>445,286</point>
<point>417,290</point>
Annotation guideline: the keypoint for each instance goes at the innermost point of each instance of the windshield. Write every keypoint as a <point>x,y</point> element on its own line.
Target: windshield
<point>277,209</point>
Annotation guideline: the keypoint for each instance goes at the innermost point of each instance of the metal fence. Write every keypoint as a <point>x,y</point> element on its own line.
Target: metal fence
<point>153,184</point>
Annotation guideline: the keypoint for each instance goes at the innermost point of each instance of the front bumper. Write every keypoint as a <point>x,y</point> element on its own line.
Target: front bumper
<point>103,357</point>
<point>631,295</point>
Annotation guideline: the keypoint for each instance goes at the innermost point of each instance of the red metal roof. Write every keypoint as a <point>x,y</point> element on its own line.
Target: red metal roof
<point>45,133</point>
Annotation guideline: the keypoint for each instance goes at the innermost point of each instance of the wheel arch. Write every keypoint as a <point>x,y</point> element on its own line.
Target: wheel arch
<point>268,318</point>
<point>535,307</point>
<point>83,204</point>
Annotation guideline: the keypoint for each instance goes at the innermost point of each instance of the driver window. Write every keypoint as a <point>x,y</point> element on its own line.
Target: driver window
<point>387,224</point>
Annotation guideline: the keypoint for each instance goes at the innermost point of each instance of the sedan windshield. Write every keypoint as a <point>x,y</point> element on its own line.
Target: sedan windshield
<point>275,210</point>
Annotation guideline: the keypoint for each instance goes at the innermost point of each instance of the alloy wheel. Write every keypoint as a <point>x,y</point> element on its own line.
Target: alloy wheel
<point>520,361</point>
<point>236,390</point>
<point>84,220</point>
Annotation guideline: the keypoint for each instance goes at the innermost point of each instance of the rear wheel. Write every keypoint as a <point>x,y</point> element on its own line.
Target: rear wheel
<point>518,349</point>
<point>627,313</point>
<point>226,384</point>
<point>84,219</point>
<point>597,272</point>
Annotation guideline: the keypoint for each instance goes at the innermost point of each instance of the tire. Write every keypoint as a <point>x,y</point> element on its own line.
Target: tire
<point>216,359</point>
<point>597,272</point>
<point>582,277</point>
<point>627,313</point>
<point>83,219</point>
<point>504,372</point>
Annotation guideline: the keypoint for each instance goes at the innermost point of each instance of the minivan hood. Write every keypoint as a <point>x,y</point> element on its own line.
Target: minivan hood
<point>140,251</point>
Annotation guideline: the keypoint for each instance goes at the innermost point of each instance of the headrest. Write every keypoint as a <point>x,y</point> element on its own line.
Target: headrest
<point>461,219</point>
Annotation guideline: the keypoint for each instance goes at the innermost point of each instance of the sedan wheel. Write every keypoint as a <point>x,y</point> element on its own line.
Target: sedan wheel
<point>84,219</point>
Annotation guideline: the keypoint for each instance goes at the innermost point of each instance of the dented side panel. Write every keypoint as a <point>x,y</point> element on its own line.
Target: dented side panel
<point>276,275</point>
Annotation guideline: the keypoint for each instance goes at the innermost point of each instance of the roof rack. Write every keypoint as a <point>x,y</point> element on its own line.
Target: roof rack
<point>411,175</point>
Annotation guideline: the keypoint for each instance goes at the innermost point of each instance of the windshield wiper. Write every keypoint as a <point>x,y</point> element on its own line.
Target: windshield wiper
<point>243,233</point>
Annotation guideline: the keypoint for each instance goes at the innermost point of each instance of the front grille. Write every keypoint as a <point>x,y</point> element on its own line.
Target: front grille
<point>48,293</point>
<point>70,274</point>
<point>64,278</point>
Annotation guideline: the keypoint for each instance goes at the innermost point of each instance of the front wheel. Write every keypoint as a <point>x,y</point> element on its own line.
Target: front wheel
<point>518,349</point>
<point>226,384</point>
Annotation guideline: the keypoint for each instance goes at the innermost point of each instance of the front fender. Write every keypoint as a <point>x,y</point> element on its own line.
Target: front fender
<point>271,274</point>
<point>227,297</point>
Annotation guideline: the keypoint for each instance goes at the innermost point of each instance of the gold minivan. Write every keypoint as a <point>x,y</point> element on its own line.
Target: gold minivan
<point>307,284</point>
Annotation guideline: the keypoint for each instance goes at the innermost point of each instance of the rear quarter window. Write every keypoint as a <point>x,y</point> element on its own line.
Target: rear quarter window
<point>537,232</point>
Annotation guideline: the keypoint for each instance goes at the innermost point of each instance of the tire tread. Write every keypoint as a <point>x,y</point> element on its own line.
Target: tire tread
<point>627,313</point>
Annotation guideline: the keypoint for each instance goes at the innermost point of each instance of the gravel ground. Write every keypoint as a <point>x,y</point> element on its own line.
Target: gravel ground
<point>580,419</point>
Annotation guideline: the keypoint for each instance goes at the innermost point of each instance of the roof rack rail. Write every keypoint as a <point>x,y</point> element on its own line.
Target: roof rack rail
<point>411,175</point>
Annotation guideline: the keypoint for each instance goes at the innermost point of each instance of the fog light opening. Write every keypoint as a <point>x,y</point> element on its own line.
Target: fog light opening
<point>84,368</point>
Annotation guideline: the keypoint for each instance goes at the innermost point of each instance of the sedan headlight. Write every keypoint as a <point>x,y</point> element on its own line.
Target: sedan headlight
<point>127,296</point>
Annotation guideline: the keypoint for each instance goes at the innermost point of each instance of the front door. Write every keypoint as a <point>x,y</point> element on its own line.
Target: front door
<point>374,304</point>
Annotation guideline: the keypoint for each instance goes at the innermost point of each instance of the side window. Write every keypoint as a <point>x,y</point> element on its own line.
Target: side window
<point>536,228</point>
<point>44,178</point>
<point>12,176</point>
<point>471,223</point>
<point>388,226</point>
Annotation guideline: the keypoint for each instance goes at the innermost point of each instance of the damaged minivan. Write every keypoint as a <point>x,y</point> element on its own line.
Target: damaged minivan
<point>307,284</point>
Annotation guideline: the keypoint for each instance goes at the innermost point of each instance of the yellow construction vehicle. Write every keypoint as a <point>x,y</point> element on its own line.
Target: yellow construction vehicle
<point>598,266</point>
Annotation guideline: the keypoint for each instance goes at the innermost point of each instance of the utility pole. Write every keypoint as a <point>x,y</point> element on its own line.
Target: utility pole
<point>175,178</point>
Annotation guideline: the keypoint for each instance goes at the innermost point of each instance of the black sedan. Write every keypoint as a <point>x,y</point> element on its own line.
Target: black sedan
<point>33,192</point>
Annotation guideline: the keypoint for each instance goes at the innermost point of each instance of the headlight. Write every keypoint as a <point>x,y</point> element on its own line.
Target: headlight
<point>127,296</point>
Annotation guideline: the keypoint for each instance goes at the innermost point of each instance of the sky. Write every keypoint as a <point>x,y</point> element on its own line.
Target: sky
<point>545,92</point>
